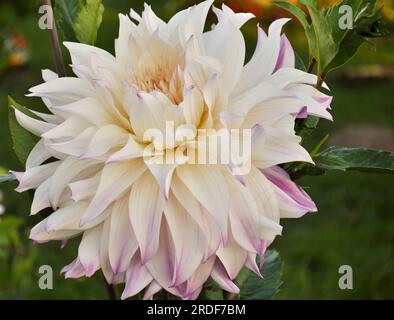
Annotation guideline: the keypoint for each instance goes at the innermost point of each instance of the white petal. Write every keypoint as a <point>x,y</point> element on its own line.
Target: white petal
<point>40,235</point>
<point>207,185</point>
<point>221,277</point>
<point>267,204</point>
<point>162,265</point>
<point>147,108</point>
<point>279,147</point>
<point>66,218</point>
<point>192,106</point>
<point>75,147</point>
<point>72,127</point>
<point>245,101</point>
<point>200,276</point>
<point>84,189</point>
<point>204,220</point>
<point>145,209</point>
<point>34,126</point>
<point>244,217</point>
<point>89,250</point>
<point>41,197</point>
<point>122,241</point>
<point>271,111</point>
<point>131,150</point>
<point>238,19</point>
<point>73,270</point>
<point>163,172</point>
<point>105,138</point>
<point>33,177</point>
<point>188,240</point>
<point>153,288</point>
<point>48,75</point>
<point>38,155</point>
<point>106,268</point>
<point>90,109</point>
<point>137,277</point>
<point>65,173</point>
<point>232,256</point>
<point>63,90</point>
<point>116,178</point>
<point>264,60</point>
<point>226,43</point>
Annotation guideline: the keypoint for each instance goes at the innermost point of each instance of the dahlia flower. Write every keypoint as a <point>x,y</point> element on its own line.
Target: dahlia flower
<point>169,225</point>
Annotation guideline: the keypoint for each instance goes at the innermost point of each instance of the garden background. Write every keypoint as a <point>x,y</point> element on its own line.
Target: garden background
<point>355,222</point>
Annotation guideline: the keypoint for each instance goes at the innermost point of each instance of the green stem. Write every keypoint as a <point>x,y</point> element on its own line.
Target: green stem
<point>320,81</point>
<point>311,65</point>
<point>230,296</point>
<point>110,290</point>
<point>57,52</point>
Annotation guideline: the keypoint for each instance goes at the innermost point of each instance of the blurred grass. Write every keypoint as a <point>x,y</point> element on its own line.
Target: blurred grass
<point>354,224</point>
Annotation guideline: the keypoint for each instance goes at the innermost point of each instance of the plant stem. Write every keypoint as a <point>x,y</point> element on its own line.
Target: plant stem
<point>319,83</point>
<point>57,52</point>
<point>110,290</point>
<point>311,65</point>
<point>230,296</point>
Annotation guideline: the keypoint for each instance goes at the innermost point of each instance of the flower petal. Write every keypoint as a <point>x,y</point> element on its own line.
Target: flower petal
<point>188,240</point>
<point>137,277</point>
<point>122,241</point>
<point>145,209</point>
<point>221,277</point>
<point>116,178</point>
<point>207,185</point>
<point>89,250</point>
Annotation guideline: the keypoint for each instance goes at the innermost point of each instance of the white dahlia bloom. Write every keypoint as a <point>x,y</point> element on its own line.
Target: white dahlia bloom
<point>169,226</point>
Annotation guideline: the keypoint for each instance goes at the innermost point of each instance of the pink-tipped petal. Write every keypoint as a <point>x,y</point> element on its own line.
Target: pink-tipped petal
<point>221,277</point>
<point>137,278</point>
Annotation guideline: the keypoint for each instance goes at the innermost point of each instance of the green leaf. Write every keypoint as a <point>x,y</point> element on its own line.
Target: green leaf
<point>360,159</point>
<point>255,288</point>
<point>334,15</point>
<point>366,24</point>
<point>9,225</point>
<point>297,12</point>
<point>7,178</point>
<point>347,50</point>
<point>88,21</point>
<point>23,141</point>
<point>66,12</point>
<point>316,149</point>
<point>12,103</point>
<point>211,291</point>
<point>304,127</point>
<point>299,63</point>
<point>321,42</point>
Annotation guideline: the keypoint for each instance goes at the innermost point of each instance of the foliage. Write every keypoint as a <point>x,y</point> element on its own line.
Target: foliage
<point>6,178</point>
<point>255,288</point>
<point>252,286</point>
<point>23,141</point>
<point>330,44</point>
<point>80,19</point>
<point>342,158</point>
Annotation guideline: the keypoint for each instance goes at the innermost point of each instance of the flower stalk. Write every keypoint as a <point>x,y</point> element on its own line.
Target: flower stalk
<point>61,71</point>
<point>110,290</point>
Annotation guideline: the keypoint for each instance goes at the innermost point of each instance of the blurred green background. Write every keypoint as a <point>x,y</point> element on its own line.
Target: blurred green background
<point>355,222</point>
